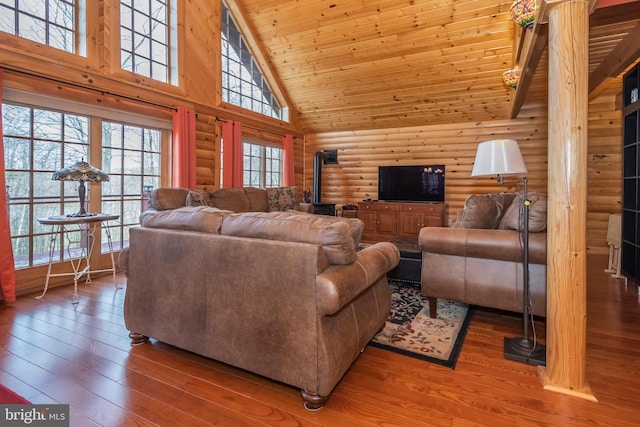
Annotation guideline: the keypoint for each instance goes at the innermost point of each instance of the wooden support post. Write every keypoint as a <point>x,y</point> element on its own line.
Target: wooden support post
<point>565,371</point>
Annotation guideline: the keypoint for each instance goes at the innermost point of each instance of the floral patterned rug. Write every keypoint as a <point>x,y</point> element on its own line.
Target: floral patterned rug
<point>410,331</point>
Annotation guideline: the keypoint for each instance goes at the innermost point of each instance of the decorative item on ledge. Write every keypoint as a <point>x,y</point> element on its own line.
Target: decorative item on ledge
<point>511,77</point>
<point>523,12</point>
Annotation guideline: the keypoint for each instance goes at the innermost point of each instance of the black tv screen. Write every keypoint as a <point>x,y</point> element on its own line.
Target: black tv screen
<point>424,183</point>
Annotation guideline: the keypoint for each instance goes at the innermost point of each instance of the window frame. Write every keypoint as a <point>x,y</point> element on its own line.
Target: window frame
<point>263,158</point>
<point>30,278</point>
<point>256,61</point>
<point>171,43</point>
<point>78,31</point>
<point>63,199</point>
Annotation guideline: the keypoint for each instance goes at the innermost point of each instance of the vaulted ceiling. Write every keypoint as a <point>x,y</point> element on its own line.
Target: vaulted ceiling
<point>360,64</point>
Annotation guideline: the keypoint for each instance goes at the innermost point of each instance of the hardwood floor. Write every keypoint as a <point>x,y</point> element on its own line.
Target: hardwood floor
<point>54,352</point>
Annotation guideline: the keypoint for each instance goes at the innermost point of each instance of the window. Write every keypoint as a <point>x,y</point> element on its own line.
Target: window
<point>131,158</point>
<point>50,22</point>
<point>262,165</point>
<point>147,38</point>
<point>39,141</point>
<point>242,81</point>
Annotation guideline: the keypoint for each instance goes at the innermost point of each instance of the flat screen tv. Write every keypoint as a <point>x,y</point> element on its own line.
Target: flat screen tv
<point>424,183</point>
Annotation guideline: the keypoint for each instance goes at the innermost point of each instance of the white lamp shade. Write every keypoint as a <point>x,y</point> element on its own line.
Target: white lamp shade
<point>498,157</point>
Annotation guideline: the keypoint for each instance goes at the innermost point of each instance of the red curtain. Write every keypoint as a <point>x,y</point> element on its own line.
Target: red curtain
<point>288,167</point>
<point>184,148</point>
<point>7,268</point>
<point>232,152</point>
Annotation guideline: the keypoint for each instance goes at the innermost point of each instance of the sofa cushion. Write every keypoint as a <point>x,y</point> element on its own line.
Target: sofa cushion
<point>484,211</point>
<point>167,198</point>
<point>282,198</point>
<point>537,213</point>
<point>335,236</point>
<point>232,199</point>
<point>192,218</point>
<point>258,199</point>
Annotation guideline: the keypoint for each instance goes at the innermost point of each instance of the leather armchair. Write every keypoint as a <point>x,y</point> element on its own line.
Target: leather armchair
<point>483,266</point>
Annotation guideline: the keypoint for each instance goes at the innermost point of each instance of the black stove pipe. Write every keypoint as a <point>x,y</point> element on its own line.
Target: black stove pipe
<point>320,157</point>
<point>317,175</point>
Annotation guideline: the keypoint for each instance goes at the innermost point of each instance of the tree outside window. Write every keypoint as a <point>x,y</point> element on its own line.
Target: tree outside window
<point>145,34</point>
<point>39,141</point>
<point>50,22</point>
<point>262,165</point>
<point>243,83</point>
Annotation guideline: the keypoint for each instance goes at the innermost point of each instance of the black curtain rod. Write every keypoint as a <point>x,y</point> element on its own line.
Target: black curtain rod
<point>78,85</point>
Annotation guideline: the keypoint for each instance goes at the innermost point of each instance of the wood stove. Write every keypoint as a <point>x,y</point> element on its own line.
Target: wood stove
<point>320,158</point>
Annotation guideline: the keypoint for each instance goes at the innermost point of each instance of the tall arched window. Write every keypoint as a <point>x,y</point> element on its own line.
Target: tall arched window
<point>243,83</point>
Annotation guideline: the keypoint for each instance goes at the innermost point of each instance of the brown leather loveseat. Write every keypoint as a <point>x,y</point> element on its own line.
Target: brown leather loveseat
<point>479,259</point>
<point>285,295</point>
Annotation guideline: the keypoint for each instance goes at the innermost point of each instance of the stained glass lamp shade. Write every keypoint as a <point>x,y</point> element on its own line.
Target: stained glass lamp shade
<point>80,171</point>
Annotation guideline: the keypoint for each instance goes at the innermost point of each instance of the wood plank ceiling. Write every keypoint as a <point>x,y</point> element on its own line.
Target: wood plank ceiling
<point>358,64</point>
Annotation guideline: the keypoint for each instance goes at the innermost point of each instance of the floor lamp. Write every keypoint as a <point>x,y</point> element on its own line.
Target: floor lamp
<point>499,158</point>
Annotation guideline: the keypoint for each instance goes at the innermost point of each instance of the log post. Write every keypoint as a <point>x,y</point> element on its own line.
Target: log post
<point>565,370</point>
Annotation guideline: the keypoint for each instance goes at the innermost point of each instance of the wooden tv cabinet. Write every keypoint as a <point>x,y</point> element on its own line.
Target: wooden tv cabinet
<point>384,221</point>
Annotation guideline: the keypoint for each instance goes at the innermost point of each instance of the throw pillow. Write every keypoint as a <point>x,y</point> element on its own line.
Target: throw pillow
<point>484,211</point>
<point>282,198</point>
<point>198,198</point>
<point>512,219</point>
<point>480,211</point>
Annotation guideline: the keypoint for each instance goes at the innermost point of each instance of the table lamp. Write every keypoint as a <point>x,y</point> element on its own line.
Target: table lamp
<point>80,171</point>
<point>502,157</point>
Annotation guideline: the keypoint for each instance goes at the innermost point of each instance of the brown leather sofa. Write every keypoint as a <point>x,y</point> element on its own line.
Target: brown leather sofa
<point>243,199</point>
<point>479,259</point>
<point>285,295</point>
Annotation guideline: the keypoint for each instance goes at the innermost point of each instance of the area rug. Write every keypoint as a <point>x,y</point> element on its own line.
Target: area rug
<point>410,331</point>
<point>7,396</point>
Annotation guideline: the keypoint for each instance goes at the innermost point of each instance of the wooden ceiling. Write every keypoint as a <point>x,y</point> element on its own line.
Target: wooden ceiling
<point>358,64</point>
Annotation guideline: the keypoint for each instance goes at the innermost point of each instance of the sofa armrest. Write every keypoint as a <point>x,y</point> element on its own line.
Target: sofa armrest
<point>503,245</point>
<point>339,284</point>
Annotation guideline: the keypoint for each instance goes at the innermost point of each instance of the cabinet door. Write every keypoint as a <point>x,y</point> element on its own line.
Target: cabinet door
<point>387,223</point>
<point>370,219</point>
<point>413,217</point>
<point>410,223</point>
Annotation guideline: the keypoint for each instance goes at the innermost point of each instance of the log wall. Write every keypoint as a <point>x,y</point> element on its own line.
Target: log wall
<point>360,153</point>
<point>604,163</point>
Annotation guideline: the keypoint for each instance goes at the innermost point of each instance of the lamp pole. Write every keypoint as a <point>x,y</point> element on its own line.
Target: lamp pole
<point>522,349</point>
